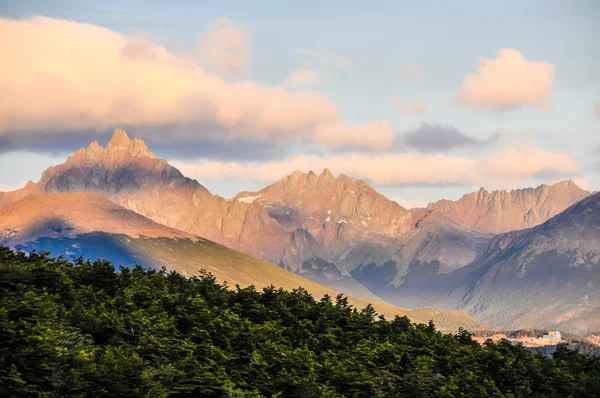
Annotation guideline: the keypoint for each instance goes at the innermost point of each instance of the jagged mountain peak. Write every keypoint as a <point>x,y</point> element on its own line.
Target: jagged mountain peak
<point>296,174</point>
<point>324,186</point>
<point>326,174</point>
<point>569,185</point>
<point>119,139</point>
<point>124,165</point>
<point>501,211</point>
<point>326,205</point>
<point>326,178</point>
<point>120,149</point>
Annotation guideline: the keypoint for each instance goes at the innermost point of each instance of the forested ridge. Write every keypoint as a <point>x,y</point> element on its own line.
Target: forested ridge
<point>80,328</point>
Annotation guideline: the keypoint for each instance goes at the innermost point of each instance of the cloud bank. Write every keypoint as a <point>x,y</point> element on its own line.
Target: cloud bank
<point>508,81</point>
<point>52,79</point>
<point>400,168</point>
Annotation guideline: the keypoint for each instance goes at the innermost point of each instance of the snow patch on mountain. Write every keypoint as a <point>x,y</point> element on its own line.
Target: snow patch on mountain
<point>249,199</point>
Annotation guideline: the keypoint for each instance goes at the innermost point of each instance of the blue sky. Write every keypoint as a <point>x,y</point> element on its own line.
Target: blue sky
<point>372,45</point>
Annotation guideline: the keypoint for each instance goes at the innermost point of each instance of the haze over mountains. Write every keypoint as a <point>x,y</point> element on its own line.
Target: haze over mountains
<point>343,234</point>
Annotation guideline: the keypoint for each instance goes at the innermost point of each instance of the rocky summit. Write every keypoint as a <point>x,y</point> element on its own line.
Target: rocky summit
<point>503,211</point>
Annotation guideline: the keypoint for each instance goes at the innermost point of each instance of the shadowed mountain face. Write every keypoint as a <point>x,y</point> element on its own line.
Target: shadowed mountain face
<point>90,225</point>
<point>547,277</point>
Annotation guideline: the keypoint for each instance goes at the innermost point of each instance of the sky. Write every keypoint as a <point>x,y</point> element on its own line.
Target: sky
<point>424,100</point>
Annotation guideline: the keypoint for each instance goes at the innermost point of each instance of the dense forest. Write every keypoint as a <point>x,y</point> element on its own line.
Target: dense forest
<point>84,329</point>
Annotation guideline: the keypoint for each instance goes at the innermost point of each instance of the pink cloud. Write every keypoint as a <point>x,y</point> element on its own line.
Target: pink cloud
<point>504,167</point>
<point>224,47</point>
<point>375,135</point>
<point>508,81</point>
<point>530,161</point>
<point>58,74</point>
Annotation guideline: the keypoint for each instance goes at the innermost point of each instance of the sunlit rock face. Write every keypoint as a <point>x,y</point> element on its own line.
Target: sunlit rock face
<point>503,211</point>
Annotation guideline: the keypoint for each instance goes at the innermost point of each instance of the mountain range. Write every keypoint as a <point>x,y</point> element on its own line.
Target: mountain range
<point>341,233</point>
<point>89,225</point>
<point>547,276</point>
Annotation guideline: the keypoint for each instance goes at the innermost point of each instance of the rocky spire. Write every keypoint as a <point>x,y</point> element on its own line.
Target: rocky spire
<point>122,146</point>
<point>501,211</point>
<point>296,174</point>
<point>120,139</point>
<point>121,142</point>
<point>120,149</point>
<point>326,175</point>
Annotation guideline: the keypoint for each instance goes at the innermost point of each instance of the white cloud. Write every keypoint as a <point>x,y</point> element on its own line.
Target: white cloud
<point>597,109</point>
<point>509,165</point>
<point>508,81</point>
<point>57,74</point>
<point>406,106</point>
<point>328,58</point>
<point>409,203</point>
<point>224,47</point>
<point>530,161</point>
<point>304,77</point>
